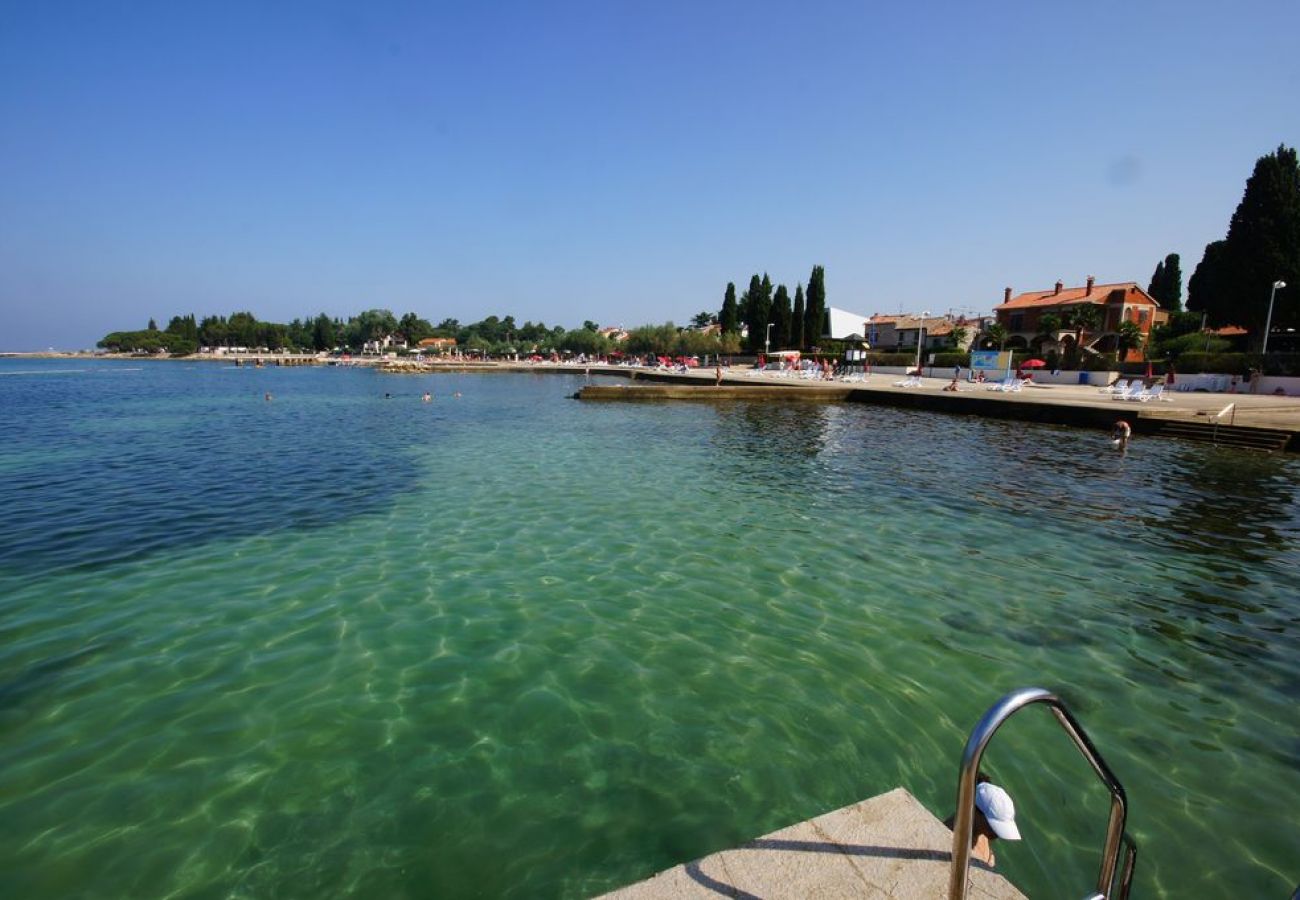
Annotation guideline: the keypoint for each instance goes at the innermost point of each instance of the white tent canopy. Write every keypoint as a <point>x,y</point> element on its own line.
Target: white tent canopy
<point>845,325</point>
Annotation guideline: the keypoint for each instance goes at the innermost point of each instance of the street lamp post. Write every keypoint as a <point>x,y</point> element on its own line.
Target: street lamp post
<point>1269,321</point>
<point>920,335</point>
<point>767,339</point>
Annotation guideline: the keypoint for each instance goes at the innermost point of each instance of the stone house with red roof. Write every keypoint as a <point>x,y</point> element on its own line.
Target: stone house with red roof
<point>1121,302</point>
<point>437,344</point>
<point>900,332</point>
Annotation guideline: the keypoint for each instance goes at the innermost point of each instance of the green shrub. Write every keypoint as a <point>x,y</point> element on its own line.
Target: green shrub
<point>1282,364</point>
<point>892,359</point>
<point>1218,363</point>
<point>950,359</point>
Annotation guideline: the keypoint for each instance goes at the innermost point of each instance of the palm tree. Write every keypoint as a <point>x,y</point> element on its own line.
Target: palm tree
<point>997,333</point>
<point>1083,317</point>
<point>1128,336</point>
<point>1048,325</point>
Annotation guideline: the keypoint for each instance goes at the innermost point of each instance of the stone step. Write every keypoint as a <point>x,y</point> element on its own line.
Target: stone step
<point>889,847</point>
<point>1268,440</point>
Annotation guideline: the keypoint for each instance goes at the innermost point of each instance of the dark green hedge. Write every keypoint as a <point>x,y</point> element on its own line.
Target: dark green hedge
<point>1237,363</point>
<point>892,359</point>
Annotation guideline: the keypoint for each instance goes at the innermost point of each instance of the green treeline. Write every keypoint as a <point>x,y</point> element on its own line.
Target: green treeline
<point>1234,281</point>
<point>770,321</point>
<point>494,335</point>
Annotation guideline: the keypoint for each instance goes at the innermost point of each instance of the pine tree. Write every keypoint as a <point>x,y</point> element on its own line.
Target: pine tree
<point>1234,280</point>
<point>729,318</point>
<point>796,319</point>
<point>781,318</point>
<point>323,333</point>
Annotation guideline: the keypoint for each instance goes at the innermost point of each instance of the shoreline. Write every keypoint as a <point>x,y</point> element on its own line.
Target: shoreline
<point>1073,405</point>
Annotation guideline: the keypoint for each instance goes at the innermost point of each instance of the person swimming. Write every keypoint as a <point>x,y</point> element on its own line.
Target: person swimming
<point>1120,434</point>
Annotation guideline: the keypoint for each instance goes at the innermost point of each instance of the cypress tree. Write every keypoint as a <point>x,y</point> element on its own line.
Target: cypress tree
<point>796,319</point>
<point>762,313</point>
<point>1208,283</point>
<point>781,318</point>
<point>1167,283</point>
<point>1173,284</point>
<point>1157,286</point>
<point>728,318</point>
<point>749,314</point>
<point>815,313</point>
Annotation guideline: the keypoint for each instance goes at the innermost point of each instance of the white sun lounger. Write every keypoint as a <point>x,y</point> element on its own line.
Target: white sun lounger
<point>1118,387</point>
<point>1131,393</point>
<point>1155,392</point>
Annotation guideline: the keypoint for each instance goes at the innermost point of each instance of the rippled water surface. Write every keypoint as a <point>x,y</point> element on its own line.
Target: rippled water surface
<point>511,645</point>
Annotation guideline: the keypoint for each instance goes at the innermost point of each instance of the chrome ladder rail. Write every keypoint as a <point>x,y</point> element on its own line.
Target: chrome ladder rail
<point>963,822</point>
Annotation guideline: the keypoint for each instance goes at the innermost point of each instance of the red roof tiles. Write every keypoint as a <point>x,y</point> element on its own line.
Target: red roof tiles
<point>1125,291</point>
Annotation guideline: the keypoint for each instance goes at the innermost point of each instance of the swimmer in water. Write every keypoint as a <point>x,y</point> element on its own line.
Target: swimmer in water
<point>1120,434</point>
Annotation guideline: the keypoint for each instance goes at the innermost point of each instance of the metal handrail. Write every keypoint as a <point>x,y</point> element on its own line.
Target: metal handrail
<point>1218,417</point>
<point>964,819</point>
<point>1230,408</point>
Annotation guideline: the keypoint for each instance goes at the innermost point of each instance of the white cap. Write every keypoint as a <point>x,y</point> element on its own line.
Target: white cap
<point>998,809</point>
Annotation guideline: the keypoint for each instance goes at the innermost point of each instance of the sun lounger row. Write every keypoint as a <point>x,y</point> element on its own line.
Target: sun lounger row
<point>1135,391</point>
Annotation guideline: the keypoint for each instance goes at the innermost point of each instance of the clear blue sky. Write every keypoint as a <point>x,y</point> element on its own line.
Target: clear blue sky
<point>612,161</point>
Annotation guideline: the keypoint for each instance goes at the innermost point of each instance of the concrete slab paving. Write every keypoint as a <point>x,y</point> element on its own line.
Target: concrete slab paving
<point>889,846</point>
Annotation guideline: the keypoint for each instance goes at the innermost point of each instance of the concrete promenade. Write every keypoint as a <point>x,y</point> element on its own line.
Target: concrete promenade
<point>1080,405</point>
<point>889,847</point>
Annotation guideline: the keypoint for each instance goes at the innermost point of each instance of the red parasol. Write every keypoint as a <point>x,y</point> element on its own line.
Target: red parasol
<point>1033,364</point>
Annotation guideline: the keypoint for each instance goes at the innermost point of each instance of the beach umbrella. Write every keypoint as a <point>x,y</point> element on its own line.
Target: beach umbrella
<point>1033,364</point>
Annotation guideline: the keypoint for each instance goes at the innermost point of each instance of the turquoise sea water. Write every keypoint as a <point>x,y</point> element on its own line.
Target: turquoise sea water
<point>512,645</point>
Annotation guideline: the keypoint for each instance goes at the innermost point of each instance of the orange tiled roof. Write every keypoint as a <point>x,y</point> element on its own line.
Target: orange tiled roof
<point>1229,331</point>
<point>903,323</point>
<point>1101,294</point>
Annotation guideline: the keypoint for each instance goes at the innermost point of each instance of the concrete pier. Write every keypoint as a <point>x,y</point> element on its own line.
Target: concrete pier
<point>889,847</point>
<point>829,392</point>
<point>1080,406</point>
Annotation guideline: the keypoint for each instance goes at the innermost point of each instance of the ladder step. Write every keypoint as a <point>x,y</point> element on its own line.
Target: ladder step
<point>1243,437</point>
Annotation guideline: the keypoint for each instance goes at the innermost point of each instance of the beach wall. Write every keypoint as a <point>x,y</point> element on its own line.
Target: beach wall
<point>1041,376</point>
